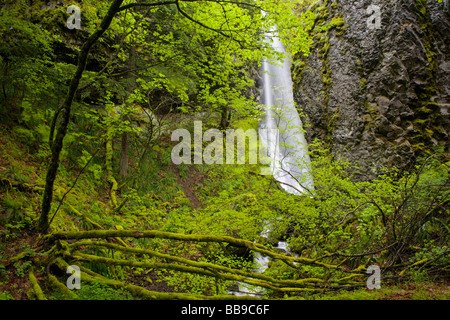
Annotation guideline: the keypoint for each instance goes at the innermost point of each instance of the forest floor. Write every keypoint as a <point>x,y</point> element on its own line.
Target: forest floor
<point>406,291</point>
<point>14,282</point>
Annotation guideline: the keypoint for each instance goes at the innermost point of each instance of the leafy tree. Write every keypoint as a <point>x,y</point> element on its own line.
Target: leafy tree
<point>24,52</point>
<point>229,29</point>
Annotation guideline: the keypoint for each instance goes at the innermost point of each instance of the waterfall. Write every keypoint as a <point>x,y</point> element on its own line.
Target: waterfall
<point>286,147</point>
<point>288,150</point>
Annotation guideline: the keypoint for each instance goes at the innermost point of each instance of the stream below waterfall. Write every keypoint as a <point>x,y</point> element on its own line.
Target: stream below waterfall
<point>286,147</point>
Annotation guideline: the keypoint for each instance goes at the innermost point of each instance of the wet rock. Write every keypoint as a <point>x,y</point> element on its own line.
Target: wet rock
<point>379,96</point>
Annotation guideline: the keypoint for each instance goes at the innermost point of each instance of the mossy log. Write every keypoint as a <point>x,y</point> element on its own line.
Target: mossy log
<point>61,287</point>
<point>218,271</point>
<point>35,286</point>
<point>177,267</point>
<point>143,293</point>
<point>69,251</point>
<point>70,245</point>
<point>104,234</point>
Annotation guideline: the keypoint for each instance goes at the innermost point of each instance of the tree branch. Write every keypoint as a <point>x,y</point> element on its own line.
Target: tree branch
<point>144,4</point>
<point>183,13</point>
<point>57,144</point>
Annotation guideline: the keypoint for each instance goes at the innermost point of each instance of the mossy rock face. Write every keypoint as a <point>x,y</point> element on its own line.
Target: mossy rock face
<point>368,92</point>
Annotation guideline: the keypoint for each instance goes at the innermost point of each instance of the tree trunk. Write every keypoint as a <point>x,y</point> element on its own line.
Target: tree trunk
<point>123,164</point>
<point>224,120</point>
<point>57,144</point>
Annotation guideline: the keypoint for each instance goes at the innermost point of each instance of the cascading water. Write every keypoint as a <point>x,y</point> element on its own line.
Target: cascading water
<point>288,150</point>
<point>287,146</point>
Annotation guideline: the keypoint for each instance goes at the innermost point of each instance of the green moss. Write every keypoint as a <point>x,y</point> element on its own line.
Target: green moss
<point>422,7</point>
<point>408,291</point>
<point>428,39</point>
<point>426,110</point>
<point>321,13</point>
<point>363,83</point>
<point>6,296</point>
<point>337,22</point>
<point>37,291</point>
<point>328,19</point>
<point>325,48</point>
<point>333,120</point>
<point>298,70</point>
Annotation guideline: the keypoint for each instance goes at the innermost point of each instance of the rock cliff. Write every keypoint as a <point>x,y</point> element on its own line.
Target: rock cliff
<point>377,94</point>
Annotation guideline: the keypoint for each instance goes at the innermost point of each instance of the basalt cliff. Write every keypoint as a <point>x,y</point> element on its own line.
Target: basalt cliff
<point>377,92</point>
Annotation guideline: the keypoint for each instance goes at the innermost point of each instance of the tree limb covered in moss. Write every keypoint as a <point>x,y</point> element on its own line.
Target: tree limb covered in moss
<point>191,269</point>
<point>143,293</point>
<point>61,287</point>
<point>35,286</point>
<point>104,234</point>
<point>203,265</point>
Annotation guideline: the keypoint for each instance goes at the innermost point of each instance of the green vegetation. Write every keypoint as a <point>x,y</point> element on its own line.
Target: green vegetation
<point>86,176</point>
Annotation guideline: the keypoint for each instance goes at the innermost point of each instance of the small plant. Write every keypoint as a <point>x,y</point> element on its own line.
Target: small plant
<point>98,291</point>
<point>2,269</point>
<point>22,268</point>
<point>6,296</point>
<point>14,210</point>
